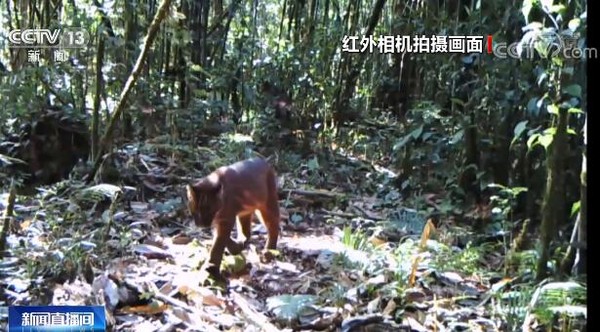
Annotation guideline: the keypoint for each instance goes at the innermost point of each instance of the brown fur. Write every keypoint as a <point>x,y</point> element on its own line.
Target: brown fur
<point>237,190</point>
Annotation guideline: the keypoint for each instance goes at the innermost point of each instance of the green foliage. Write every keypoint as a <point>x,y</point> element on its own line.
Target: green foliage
<point>289,308</point>
<point>525,262</point>
<point>566,299</point>
<point>335,295</point>
<point>467,261</point>
<point>505,200</point>
<point>355,239</point>
<point>512,305</point>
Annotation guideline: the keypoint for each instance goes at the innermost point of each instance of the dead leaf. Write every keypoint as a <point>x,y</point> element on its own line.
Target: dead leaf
<point>152,186</point>
<point>414,325</point>
<point>181,239</point>
<point>151,251</point>
<point>373,305</point>
<point>150,309</point>
<point>390,308</point>
<point>377,241</point>
<point>201,295</point>
<point>139,207</point>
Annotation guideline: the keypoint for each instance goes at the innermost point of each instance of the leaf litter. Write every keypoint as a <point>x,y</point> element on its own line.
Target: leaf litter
<point>372,265</point>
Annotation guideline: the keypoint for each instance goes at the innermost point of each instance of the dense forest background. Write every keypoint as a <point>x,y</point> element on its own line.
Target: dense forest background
<point>445,176</point>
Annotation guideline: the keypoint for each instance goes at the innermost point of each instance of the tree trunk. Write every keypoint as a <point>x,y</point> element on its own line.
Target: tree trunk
<point>553,203</point>
<point>580,266</point>
<point>133,77</point>
<point>346,89</point>
<point>97,97</point>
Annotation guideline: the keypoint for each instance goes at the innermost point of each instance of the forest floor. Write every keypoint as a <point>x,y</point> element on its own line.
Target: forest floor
<point>346,260</point>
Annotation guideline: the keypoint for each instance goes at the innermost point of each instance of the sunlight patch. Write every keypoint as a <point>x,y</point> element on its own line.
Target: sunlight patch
<point>240,138</point>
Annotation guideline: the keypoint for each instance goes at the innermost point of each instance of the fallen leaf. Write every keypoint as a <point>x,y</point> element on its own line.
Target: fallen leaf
<point>150,309</point>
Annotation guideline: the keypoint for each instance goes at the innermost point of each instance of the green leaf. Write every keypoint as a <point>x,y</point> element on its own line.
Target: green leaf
<point>234,263</point>
<point>574,90</point>
<point>8,160</point>
<point>405,184</point>
<point>178,15</point>
<point>313,164</point>
<point>296,218</point>
<point>546,140</point>
<point>402,142</point>
<point>526,9</point>
<point>200,69</point>
<point>541,77</point>
<point>552,109</point>
<point>519,129</point>
<point>426,136</point>
<point>417,132</point>
<point>574,110</point>
<point>98,192</point>
<point>574,24</point>
<point>517,190</point>
<point>496,186</point>
<point>557,8</point>
<point>457,101</point>
<point>571,103</point>
<point>575,208</point>
<point>529,37</point>
<point>533,26</point>
<point>533,140</point>
<point>571,131</point>
<point>546,4</point>
<point>543,99</point>
<point>289,307</point>
<point>557,61</point>
<point>532,106</point>
<point>457,137</point>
